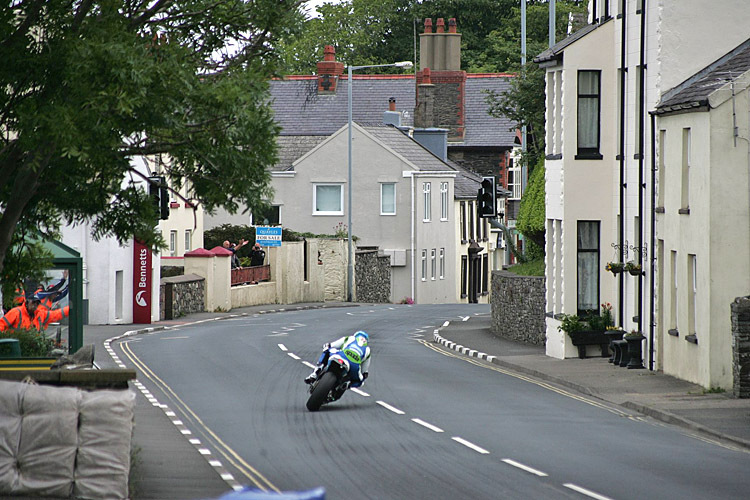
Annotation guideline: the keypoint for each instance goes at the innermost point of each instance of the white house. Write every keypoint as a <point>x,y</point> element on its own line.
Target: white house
<point>112,273</point>
<point>403,202</point>
<point>601,84</point>
<point>703,217</point>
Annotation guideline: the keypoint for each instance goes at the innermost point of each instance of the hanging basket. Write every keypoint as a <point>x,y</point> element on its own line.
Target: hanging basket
<point>615,267</point>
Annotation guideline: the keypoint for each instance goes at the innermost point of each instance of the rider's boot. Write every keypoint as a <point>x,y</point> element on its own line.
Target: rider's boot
<point>314,375</point>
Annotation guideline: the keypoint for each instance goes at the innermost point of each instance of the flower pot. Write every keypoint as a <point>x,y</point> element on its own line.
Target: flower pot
<point>614,335</point>
<point>635,351</point>
<point>635,272</point>
<point>615,267</point>
<point>583,338</point>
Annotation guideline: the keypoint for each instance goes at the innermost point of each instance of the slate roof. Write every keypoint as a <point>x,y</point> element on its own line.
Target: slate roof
<point>292,147</point>
<point>466,182</point>
<point>694,92</point>
<point>301,111</point>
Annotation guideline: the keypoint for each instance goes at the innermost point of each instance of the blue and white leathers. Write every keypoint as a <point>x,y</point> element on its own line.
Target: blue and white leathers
<point>357,352</point>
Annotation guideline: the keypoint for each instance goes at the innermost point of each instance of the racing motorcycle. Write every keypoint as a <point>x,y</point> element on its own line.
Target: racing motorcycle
<point>332,382</point>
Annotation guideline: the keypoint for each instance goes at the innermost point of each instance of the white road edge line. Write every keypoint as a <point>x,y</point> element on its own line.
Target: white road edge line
<point>307,363</point>
<point>586,492</point>
<point>425,424</point>
<point>389,407</point>
<point>470,445</point>
<point>360,392</point>
<point>292,355</point>
<point>524,467</point>
<point>282,347</point>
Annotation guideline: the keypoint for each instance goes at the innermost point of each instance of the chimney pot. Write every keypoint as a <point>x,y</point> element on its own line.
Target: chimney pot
<point>452,25</point>
<point>426,77</point>
<point>440,25</point>
<point>428,25</point>
<point>329,53</point>
<point>392,104</point>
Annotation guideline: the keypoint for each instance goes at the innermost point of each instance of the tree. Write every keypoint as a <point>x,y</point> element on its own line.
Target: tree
<point>88,86</point>
<point>383,31</point>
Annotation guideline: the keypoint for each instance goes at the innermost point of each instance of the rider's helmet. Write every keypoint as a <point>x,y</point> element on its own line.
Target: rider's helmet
<point>361,337</point>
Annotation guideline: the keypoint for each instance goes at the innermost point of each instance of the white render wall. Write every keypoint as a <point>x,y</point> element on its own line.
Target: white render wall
<point>716,232</point>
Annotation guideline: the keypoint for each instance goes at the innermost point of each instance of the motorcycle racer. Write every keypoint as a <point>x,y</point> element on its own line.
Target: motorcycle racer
<point>355,348</point>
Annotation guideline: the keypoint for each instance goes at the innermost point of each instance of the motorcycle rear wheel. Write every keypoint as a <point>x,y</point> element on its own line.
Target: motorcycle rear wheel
<point>320,393</point>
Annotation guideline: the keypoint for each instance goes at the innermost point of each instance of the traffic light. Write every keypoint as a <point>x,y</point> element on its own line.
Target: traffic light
<point>157,189</point>
<point>486,196</point>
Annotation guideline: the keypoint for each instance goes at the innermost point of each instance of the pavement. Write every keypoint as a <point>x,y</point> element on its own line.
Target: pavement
<point>167,466</point>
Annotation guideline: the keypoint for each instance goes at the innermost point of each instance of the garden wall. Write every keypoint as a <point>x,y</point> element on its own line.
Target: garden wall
<point>518,307</point>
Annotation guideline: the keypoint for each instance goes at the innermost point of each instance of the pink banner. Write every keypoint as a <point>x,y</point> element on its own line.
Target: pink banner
<point>141,283</point>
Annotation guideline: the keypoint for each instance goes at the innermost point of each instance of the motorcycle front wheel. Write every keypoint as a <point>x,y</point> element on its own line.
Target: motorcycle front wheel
<point>320,393</point>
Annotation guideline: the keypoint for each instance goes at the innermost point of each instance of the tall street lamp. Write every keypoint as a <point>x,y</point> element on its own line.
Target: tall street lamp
<point>350,269</point>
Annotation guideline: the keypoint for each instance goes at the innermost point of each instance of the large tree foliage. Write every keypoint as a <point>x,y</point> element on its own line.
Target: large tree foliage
<point>88,86</point>
<point>384,31</point>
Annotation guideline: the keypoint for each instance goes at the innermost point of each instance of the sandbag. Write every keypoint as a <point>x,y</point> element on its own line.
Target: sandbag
<point>104,439</point>
<point>11,397</point>
<point>49,440</point>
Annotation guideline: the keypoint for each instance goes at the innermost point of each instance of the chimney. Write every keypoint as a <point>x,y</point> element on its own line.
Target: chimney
<point>424,112</point>
<point>392,117</point>
<point>329,71</point>
<point>441,84</point>
<point>440,51</point>
<point>434,140</point>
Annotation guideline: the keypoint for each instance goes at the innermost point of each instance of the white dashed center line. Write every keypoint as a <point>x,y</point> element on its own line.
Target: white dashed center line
<point>586,492</point>
<point>524,467</point>
<point>425,424</point>
<point>470,445</point>
<point>389,407</point>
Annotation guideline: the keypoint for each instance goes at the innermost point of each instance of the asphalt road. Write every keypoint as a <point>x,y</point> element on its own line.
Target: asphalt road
<point>429,423</point>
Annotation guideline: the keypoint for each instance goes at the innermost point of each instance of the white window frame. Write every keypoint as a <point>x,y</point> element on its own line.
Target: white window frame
<point>173,243</point>
<point>424,265</point>
<point>442,263</point>
<point>315,199</point>
<point>188,240</point>
<point>433,264</point>
<point>444,201</point>
<point>382,192</point>
<point>426,193</point>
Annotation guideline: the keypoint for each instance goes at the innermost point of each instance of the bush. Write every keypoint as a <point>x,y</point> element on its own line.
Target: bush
<point>33,344</point>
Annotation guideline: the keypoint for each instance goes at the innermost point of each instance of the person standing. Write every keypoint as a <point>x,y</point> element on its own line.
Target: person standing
<point>232,247</point>
<point>257,255</point>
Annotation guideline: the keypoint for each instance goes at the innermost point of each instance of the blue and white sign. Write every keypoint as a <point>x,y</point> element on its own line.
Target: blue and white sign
<point>268,236</point>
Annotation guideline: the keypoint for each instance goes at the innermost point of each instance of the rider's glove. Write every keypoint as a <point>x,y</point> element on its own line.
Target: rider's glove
<point>364,376</point>
<point>326,346</point>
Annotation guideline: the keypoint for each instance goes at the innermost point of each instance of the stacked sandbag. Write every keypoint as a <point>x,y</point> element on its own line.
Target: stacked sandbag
<point>63,442</point>
<point>106,427</point>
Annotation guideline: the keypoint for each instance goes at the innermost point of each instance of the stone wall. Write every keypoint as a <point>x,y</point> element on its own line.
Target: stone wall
<point>373,276</point>
<point>741,346</point>
<point>518,307</point>
<point>188,295</point>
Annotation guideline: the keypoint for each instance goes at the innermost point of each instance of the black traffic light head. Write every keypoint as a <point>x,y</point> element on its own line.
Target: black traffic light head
<point>157,188</point>
<point>486,198</point>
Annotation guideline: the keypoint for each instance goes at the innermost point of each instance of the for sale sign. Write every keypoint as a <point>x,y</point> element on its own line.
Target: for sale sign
<point>268,236</point>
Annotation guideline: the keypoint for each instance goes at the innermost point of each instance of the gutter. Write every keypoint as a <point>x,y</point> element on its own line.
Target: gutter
<point>621,242</point>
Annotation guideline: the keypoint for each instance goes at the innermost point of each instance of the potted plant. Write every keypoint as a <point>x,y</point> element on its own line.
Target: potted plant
<point>615,267</point>
<point>633,268</point>
<point>589,330</point>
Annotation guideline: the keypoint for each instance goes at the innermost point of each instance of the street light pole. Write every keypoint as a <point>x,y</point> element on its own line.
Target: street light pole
<point>350,267</point>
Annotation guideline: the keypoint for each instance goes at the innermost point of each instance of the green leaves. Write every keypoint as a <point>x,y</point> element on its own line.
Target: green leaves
<point>89,88</point>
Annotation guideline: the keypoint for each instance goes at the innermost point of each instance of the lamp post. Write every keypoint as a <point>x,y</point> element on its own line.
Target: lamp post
<point>350,268</point>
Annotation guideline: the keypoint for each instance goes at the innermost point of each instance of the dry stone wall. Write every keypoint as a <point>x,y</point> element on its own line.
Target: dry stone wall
<point>518,304</point>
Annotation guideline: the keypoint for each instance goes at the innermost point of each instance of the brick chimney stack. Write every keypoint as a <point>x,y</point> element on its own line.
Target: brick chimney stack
<point>329,71</point>
<point>441,84</point>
